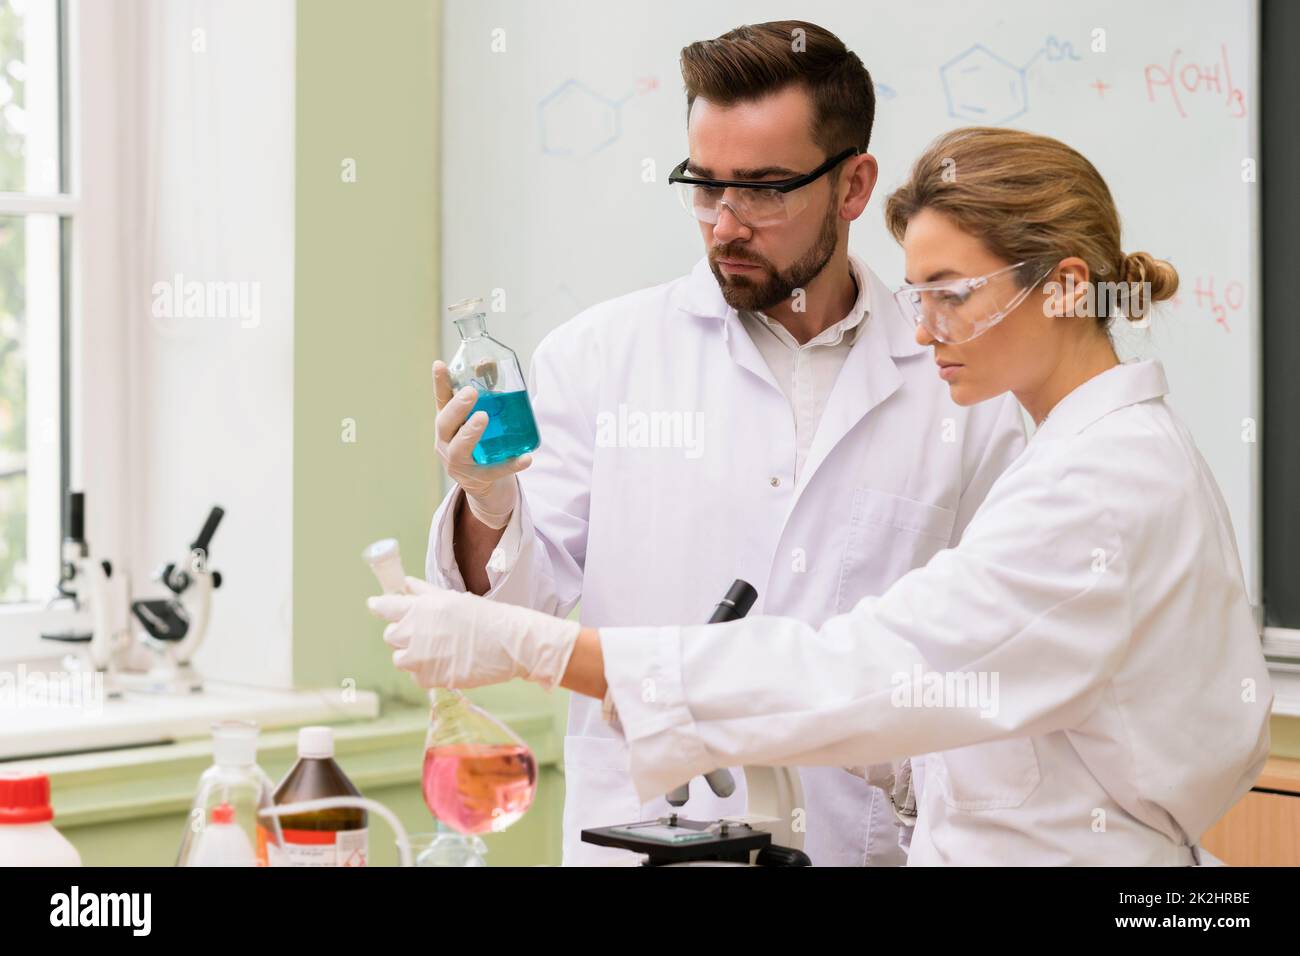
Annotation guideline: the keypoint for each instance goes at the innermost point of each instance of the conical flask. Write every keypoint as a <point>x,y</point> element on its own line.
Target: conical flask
<point>493,369</point>
<point>478,776</point>
<point>224,827</point>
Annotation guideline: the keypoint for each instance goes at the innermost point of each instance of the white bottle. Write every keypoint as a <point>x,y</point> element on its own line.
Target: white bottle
<point>27,838</point>
<point>237,783</point>
<point>223,842</point>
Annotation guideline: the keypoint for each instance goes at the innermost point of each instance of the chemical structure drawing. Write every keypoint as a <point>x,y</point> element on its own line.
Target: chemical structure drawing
<point>575,121</point>
<point>981,86</point>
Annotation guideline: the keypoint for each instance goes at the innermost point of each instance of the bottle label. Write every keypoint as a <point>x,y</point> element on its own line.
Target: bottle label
<point>263,856</point>
<point>326,847</point>
<point>268,853</point>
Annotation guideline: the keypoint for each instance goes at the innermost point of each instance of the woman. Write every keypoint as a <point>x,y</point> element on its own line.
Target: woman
<point>1083,669</point>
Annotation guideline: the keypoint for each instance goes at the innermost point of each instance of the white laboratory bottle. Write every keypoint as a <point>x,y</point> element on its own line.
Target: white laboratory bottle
<point>27,837</point>
<point>223,842</point>
<point>237,783</point>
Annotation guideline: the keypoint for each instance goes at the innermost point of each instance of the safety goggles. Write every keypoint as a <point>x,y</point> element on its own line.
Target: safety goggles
<point>958,310</point>
<point>754,204</point>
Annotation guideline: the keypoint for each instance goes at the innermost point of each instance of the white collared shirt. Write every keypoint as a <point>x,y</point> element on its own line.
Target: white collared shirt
<point>806,373</point>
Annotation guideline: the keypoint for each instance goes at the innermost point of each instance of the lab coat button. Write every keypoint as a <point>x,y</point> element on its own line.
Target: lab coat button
<point>776,482</point>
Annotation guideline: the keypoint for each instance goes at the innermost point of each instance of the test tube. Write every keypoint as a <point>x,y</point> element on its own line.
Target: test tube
<point>385,559</point>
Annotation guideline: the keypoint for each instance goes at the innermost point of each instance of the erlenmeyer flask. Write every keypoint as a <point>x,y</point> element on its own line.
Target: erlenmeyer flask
<point>224,827</point>
<point>493,369</point>
<point>478,776</point>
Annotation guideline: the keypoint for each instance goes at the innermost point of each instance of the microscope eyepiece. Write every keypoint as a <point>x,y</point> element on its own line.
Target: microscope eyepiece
<point>740,598</point>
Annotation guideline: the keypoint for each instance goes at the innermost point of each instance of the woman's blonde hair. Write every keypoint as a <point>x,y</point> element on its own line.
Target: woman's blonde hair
<point>1027,198</point>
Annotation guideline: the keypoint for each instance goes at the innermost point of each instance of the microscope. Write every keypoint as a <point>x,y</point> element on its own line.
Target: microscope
<point>156,659</point>
<point>765,835</point>
<point>175,625</point>
<point>97,598</point>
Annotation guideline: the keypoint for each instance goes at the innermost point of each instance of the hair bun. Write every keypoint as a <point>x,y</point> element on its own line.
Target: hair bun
<point>1143,267</point>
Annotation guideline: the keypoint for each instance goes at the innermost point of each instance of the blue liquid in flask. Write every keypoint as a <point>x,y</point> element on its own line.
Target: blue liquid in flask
<point>511,429</point>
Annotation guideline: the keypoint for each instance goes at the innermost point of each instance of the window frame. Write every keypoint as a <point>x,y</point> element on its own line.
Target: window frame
<point>92,411</point>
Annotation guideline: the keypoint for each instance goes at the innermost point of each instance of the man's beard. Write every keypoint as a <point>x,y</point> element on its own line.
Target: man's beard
<point>744,293</point>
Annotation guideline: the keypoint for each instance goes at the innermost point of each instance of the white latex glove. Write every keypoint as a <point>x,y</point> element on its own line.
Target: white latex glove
<point>895,779</point>
<point>491,491</point>
<point>453,639</point>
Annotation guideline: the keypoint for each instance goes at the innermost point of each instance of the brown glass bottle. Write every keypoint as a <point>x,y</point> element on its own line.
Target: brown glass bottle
<point>336,837</point>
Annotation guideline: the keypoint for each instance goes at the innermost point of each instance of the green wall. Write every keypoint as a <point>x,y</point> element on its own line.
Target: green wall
<point>365,324</point>
<point>366,333</point>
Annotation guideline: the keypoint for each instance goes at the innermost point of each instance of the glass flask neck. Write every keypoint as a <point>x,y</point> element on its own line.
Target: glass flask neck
<point>455,719</point>
<point>472,326</point>
<point>443,697</point>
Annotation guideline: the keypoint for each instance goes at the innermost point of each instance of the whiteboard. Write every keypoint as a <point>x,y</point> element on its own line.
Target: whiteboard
<point>556,113</point>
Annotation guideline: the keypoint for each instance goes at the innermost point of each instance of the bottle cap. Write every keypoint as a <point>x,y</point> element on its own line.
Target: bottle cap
<point>316,742</point>
<point>223,813</point>
<point>25,798</point>
<point>380,550</point>
<point>385,559</point>
<point>234,743</point>
<point>465,307</point>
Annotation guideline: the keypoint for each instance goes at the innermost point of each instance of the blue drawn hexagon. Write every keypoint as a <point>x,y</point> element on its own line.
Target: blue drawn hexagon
<point>575,121</point>
<point>982,86</point>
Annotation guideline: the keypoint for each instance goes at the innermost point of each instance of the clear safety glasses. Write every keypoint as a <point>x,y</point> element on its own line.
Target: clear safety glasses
<point>958,310</point>
<point>753,203</point>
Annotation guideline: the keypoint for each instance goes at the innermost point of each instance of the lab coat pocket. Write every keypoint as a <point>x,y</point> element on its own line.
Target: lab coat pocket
<point>888,536</point>
<point>598,792</point>
<point>992,776</point>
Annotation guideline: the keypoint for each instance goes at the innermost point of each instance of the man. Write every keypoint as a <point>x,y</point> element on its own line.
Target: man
<point>767,417</point>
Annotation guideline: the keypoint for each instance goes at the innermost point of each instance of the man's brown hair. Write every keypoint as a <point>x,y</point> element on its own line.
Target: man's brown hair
<point>754,60</point>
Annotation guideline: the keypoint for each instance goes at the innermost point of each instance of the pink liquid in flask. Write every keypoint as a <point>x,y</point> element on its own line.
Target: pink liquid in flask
<point>479,788</point>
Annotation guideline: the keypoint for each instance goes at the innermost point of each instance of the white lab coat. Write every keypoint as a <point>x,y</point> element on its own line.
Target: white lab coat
<point>655,535</point>
<point>1100,581</point>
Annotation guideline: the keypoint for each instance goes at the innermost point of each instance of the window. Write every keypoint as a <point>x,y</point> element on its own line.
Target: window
<point>37,214</point>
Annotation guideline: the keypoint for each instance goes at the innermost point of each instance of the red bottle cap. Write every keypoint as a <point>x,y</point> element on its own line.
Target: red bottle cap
<point>223,813</point>
<point>25,798</point>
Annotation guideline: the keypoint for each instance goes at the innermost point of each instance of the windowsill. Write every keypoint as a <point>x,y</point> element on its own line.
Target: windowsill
<point>141,719</point>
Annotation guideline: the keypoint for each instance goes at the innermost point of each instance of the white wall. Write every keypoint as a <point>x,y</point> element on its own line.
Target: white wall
<point>201,405</point>
<point>560,148</point>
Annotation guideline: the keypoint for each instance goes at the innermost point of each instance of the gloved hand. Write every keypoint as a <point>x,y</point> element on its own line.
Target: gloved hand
<point>453,639</point>
<point>895,778</point>
<point>491,491</point>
